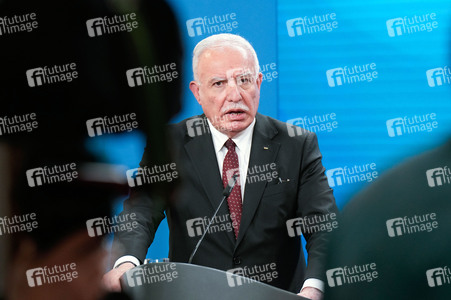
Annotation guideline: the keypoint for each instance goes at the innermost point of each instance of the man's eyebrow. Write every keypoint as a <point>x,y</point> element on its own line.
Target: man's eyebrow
<point>214,79</point>
<point>243,73</point>
<point>222,78</point>
<point>247,73</point>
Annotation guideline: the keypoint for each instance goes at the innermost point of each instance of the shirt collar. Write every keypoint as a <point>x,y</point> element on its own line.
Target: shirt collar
<point>242,139</point>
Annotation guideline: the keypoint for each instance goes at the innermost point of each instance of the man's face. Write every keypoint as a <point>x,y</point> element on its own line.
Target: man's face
<point>228,90</point>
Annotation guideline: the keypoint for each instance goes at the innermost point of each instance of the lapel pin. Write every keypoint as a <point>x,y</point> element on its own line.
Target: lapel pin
<point>265,148</point>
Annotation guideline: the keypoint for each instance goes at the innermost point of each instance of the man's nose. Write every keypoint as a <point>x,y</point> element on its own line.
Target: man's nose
<point>233,91</point>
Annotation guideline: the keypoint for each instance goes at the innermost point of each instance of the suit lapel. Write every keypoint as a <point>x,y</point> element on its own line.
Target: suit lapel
<point>202,154</point>
<point>263,151</point>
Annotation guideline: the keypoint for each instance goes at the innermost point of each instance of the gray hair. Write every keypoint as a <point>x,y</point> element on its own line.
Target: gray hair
<point>221,41</point>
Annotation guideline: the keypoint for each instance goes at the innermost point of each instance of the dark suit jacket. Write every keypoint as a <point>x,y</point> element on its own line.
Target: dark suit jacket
<point>267,205</point>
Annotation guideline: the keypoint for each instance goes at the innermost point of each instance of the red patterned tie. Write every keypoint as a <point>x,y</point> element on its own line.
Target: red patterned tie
<point>230,167</point>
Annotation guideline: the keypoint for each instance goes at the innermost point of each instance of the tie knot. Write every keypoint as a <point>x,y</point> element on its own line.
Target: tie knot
<point>230,145</point>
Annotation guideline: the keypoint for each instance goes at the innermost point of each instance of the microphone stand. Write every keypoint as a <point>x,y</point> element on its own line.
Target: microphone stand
<point>228,189</point>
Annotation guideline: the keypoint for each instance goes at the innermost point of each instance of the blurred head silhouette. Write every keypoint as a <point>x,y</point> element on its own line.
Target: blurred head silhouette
<point>77,77</point>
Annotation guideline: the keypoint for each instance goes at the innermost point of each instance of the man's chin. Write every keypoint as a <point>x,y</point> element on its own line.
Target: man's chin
<point>234,126</point>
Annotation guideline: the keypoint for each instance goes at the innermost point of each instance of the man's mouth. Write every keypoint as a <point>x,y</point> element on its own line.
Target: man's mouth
<point>235,115</point>
<point>235,112</point>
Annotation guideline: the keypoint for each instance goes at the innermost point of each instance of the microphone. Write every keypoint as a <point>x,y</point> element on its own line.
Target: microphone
<point>226,193</point>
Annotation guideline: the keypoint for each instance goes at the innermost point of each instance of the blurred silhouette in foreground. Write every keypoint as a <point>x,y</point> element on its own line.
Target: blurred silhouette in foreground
<point>393,240</point>
<point>62,109</point>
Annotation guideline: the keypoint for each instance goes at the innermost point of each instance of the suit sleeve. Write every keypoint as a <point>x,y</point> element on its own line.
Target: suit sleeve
<point>315,198</point>
<point>148,203</point>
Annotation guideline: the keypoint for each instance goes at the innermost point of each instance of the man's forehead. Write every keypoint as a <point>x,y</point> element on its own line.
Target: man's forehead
<point>233,72</point>
<point>226,65</point>
<point>223,51</point>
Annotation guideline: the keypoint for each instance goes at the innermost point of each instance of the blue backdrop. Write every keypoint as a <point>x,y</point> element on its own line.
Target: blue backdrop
<point>371,78</point>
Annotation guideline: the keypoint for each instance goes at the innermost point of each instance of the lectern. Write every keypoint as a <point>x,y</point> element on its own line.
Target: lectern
<point>170,281</point>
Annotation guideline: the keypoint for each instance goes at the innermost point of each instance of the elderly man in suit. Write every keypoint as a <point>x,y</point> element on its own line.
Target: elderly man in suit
<point>236,140</point>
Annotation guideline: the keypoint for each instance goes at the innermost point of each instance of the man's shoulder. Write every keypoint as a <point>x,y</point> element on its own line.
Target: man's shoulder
<point>194,123</point>
<point>183,122</point>
<point>285,130</point>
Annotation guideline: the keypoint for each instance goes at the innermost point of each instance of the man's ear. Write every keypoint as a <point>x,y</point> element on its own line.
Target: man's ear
<point>194,87</point>
<point>259,80</point>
